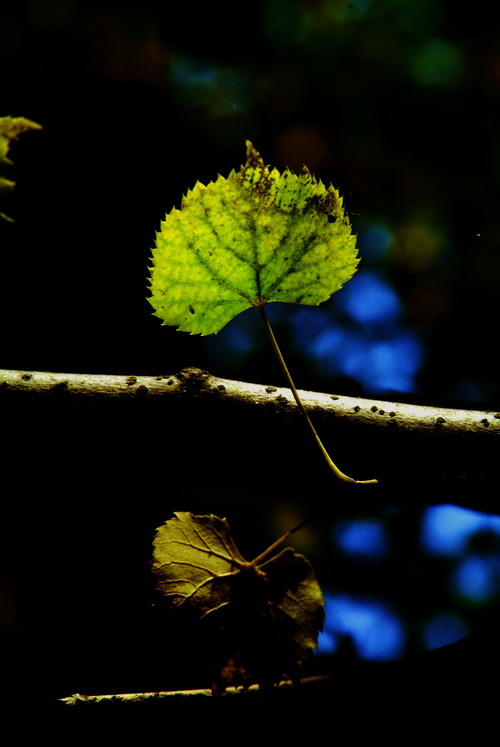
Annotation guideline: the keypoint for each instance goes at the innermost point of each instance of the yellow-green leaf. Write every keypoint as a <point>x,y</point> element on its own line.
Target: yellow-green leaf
<point>6,185</point>
<point>254,237</point>
<point>10,129</point>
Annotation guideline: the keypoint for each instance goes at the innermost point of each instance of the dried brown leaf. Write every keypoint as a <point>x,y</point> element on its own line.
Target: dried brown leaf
<point>267,616</point>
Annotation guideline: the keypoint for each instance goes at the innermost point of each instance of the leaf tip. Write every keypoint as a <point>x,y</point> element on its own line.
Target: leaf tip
<point>254,158</point>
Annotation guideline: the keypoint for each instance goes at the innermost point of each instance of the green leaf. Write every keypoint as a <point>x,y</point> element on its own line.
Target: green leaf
<point>267,616</point>
<point>6,185</point>
<point>254,237</point>
<point>10,129</point>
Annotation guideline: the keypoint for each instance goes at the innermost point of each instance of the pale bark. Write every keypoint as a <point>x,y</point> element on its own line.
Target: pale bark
<point>192,383</point>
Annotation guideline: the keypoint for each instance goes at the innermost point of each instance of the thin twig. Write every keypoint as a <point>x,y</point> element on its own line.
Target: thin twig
<point>77,698</point>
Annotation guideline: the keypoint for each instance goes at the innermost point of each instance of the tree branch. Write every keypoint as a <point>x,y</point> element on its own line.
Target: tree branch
<point>192,382</point>
<point>206,692</point>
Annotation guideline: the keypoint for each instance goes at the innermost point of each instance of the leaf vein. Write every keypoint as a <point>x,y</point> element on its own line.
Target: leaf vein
<point>228,247</point>
<point>203,550</point>
<point>207,266</point>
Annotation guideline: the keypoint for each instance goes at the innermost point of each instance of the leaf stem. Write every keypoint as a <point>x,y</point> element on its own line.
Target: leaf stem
<point>256,561</point>
<point>333,467</point>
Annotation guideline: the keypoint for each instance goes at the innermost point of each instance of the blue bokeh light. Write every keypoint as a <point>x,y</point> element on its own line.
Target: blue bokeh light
<point>327,642</point>
<point>468,390</point>
<point>307,324</point>
<point>362,538</point>
<point>475,579</point>
<point>375,241</point>
<point>369,300</point>
<point>375,629</point>
<point>238,338</point>
<point>235,340</point>
<point>447,529</point>
<point>389,364</point>
<point>443,629</point>
<point>191,74</point>
<point>360,336</point>
<point>218,89</point>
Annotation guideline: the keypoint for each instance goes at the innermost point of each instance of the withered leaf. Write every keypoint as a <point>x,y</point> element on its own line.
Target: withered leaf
<point>265,616</point>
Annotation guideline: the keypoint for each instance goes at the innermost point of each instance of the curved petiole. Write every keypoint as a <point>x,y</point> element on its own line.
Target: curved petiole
<point>333,467</point>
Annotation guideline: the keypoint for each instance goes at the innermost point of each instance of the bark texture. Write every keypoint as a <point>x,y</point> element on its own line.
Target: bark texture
<point>192,382</point>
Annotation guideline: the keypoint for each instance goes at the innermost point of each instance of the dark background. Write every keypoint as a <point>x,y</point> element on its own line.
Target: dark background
<point>397,104</point>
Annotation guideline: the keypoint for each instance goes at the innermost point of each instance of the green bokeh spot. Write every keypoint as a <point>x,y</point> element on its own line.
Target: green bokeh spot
<point>437,63</point>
